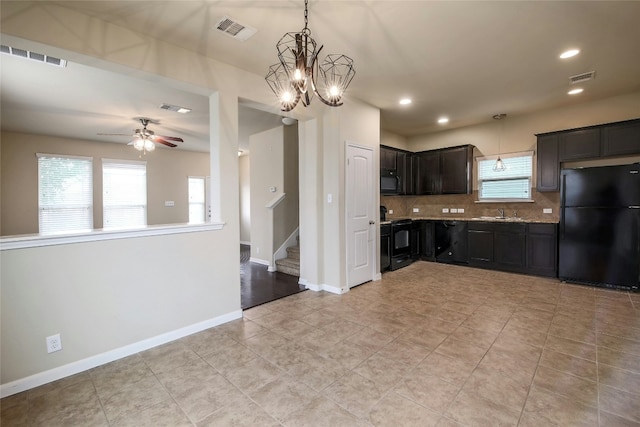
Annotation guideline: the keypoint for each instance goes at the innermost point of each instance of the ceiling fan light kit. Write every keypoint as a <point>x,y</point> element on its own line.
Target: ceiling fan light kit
<point>298,76</point>
<point>145,139</point>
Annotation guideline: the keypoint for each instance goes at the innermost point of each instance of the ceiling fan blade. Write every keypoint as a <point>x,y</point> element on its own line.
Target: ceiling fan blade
<point>115,134</point>
<point>170,138</point>
<point>161,140</point>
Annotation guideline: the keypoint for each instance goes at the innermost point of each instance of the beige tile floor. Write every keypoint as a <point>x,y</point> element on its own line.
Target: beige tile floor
<point>430,344</point>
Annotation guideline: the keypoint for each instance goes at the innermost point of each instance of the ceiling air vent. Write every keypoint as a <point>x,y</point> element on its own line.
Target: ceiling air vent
<point>231,28</point>
<point>34,56</point>
<point>177,109</point>
<point>582,77</point>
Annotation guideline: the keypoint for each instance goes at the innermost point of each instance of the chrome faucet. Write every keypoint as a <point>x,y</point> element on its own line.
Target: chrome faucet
<point>501,211</point>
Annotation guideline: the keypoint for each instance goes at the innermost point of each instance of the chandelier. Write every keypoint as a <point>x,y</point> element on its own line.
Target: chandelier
<point>298,76</point>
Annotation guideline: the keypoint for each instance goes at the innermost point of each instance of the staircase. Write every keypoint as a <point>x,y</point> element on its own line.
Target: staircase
<point>291,264</point>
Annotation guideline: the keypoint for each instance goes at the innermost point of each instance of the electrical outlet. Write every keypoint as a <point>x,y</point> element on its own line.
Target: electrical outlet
<point>416,210</point>
<point>390,212</point>
<point>445,210</point>
<point>453,210</point>
<point>169,203</point>
<point>54,343</point>
<point>460,210</point>
<point>547,210</point>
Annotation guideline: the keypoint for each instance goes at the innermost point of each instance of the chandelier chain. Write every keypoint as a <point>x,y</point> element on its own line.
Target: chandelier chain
<point>306,14</point>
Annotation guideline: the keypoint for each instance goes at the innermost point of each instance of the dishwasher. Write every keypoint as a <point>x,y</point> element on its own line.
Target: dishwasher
<point>451,242</point>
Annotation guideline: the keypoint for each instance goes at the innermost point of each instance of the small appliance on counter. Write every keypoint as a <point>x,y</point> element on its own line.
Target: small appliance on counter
<point>383,213</point>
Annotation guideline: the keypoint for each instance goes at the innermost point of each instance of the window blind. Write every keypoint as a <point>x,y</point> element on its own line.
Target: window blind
<point>124,193</point>
<point>512,183</point>
<point>196,200</point>
<point>65,194</point>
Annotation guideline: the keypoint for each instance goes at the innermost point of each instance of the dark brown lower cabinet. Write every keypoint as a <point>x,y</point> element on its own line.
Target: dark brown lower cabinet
<point>510,247</point>
<point>480,241</point>
<point>518,248</point>
<point>542,249</point>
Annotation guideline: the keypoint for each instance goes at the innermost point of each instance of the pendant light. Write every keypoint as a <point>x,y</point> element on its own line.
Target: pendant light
<point>499,166</point>
<point>297,76</point>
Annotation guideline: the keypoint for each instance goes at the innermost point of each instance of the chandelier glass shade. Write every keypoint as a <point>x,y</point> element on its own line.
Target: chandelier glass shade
<point>297,76</point>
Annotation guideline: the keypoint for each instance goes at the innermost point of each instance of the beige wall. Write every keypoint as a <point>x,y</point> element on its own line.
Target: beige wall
<point>358,123</point>
<point>103,296</point>
<point>167,172</point>
<point>393,140</point>
<point>287,220</point>
<point>245,198</point>
<point>267,157</point>
<point>518,133</point>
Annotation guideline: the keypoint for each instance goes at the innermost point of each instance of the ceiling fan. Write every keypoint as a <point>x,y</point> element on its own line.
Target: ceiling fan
<point>145,139</point>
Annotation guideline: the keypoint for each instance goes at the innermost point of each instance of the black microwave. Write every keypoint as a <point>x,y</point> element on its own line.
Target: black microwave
<point>389,181</point>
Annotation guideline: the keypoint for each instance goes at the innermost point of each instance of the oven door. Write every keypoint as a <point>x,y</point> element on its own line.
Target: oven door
<point>400,244</point>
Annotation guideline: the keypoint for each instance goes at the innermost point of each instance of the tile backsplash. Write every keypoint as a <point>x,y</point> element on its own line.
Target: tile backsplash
<point>431,206</point>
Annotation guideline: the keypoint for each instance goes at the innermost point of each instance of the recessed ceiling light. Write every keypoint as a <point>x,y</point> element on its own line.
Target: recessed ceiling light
<point>443,120</point>
<point>575,91</point>
<point>569,53</point>
<point>405,101</point>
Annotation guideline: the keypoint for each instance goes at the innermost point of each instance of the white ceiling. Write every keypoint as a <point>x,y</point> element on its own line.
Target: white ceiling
<point>465,60</point>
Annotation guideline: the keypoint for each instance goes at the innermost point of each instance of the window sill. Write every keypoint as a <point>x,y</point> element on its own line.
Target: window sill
<point>37,240</point>
<point>505,201</point>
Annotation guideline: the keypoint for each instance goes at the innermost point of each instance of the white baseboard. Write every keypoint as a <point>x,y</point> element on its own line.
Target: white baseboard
<point>73,368</point>
<point>259,261</point>
<point>377,276</point>
<point>323,287</point>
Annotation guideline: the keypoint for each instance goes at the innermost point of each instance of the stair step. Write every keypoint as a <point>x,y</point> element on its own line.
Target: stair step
<point>293,252</point>
<point>288,266</point>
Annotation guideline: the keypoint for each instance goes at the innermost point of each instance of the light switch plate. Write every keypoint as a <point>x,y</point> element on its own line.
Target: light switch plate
<point>453,210</point>
<point>169,203</point>
<point>547,210</point>
<point>445,210</point>
<point>390,211</point>
<point>415,210</point>
<point>460,210</point>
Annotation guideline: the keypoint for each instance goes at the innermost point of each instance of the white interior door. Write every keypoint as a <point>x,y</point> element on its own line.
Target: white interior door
<point>361,224</point>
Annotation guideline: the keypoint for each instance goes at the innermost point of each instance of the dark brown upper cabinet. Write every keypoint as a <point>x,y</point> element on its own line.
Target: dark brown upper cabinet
<point>608,140</point>
<point>548,170</point>
<point>444,171</point>
<point>387,158</point>
<point>579,144</point>
<point>621,140</point>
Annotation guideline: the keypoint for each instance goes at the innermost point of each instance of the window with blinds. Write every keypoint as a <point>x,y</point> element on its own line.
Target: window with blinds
<point>124,193</point>
<point>65,194</point>
<point>196,200</point>
<point>513,183</point>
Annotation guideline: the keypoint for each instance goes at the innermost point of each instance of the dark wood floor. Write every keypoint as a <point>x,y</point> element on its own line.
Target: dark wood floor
<point>259,286</point>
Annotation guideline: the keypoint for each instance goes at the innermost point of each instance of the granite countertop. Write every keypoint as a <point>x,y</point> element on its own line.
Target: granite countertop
<point>389,220</point>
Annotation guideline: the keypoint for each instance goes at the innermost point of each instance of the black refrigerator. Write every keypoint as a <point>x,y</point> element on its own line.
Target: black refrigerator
<point>599,241</point>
